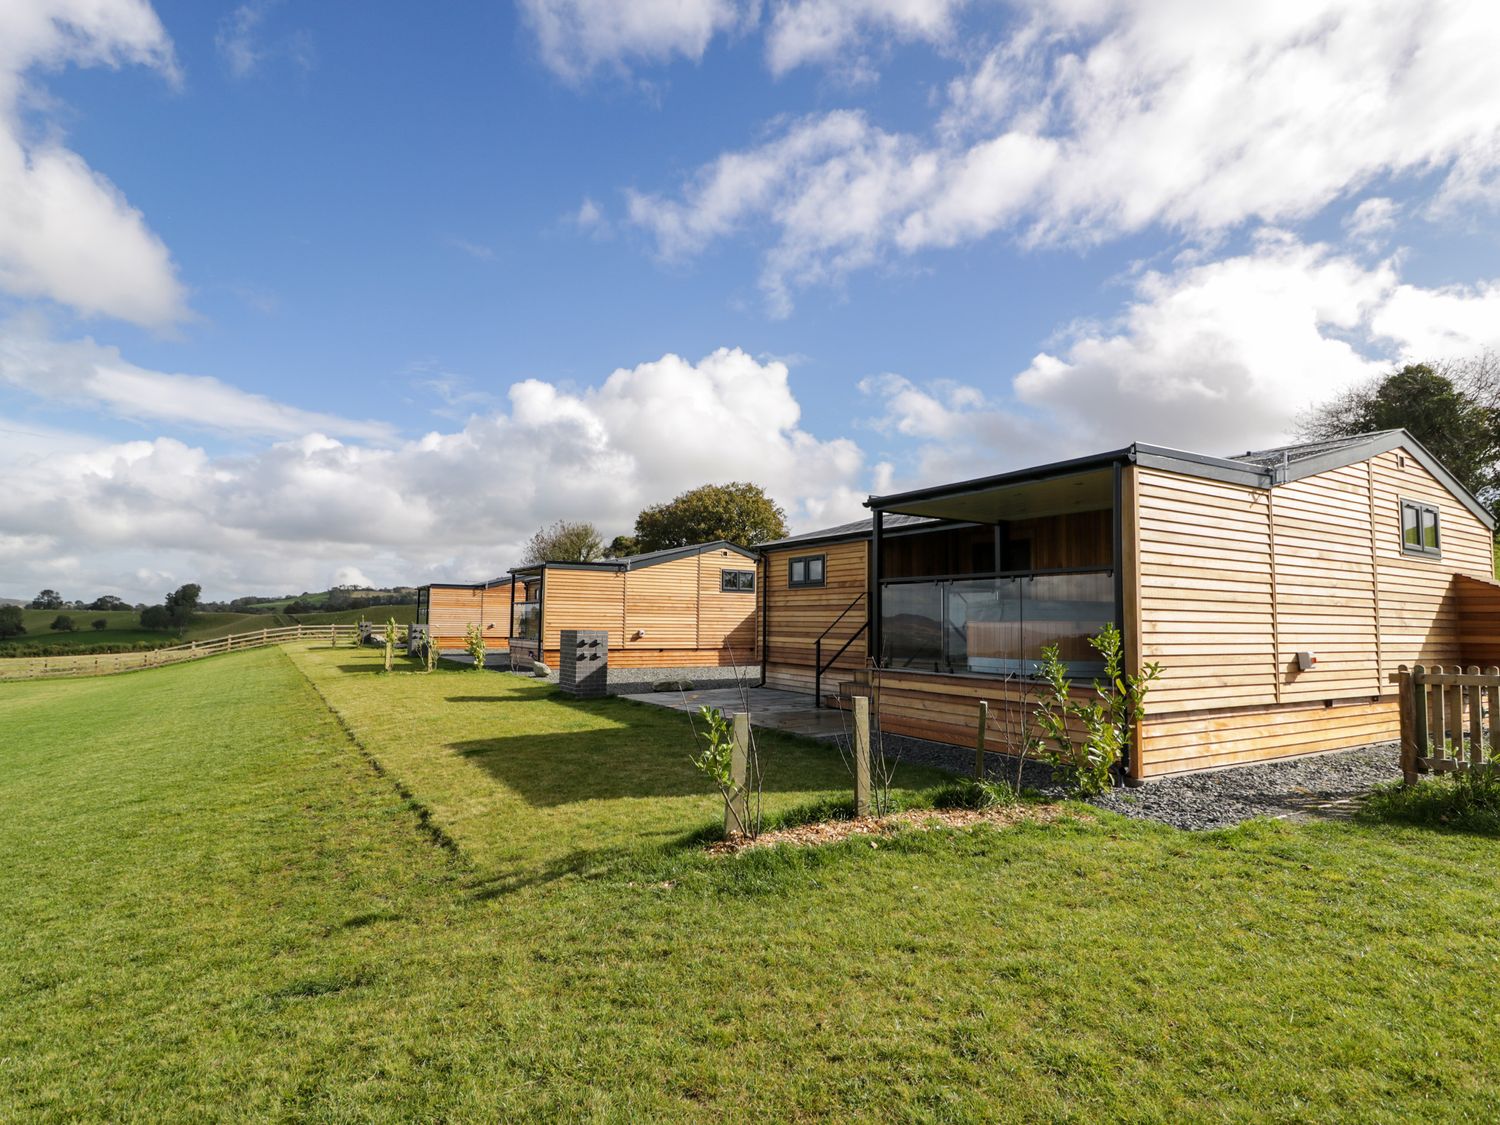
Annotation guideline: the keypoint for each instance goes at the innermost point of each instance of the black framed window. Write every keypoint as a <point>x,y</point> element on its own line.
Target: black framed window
<point>1420,533</point>
<point>805,570</point>
<point>734,581</point>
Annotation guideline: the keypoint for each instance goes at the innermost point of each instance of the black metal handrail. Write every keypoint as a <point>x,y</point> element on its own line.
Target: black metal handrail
<point>818,666</point>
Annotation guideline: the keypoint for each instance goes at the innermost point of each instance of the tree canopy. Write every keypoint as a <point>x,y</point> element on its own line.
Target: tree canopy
<point>739,512</point>
<point>12,621</point>
<point>47,599</point>
<point>181,604</point>
<point>621,546</point>
<point>564,541</point>
<point>1453,409</point>
<point>156,617</point>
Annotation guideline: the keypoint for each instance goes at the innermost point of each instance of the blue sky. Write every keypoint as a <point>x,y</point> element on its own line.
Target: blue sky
<point>296,293</point>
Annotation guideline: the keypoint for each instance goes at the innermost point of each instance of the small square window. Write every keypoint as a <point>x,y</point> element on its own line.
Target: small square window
<point>737,581</point>
<point>1420,531</point>
<point>806,570</point>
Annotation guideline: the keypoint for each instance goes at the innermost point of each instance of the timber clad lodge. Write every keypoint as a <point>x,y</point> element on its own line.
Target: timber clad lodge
<point>1279,591</point>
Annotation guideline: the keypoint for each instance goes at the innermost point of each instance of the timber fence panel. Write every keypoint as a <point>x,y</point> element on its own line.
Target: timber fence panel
<point>104,664</point>
<point>1449,719</point>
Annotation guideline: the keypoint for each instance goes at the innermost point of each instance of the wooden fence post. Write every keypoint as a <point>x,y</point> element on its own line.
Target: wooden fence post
<point>1476,721</point>
<point>861,755</point>
<point>1408,703</point>
<point>1492,700</point>
<point>1436,726</point>
<point>737,808</point>
<point>984,721</point>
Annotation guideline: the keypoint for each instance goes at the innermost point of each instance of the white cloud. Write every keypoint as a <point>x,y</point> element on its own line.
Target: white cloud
<point>86,374</point>
<point>825,31</point>
<point>1095,120</point>
<point>453,504</point>
<point>66,232</point>
<point>242,44</point>
<point>576,37</point>
<point>1372,222</point>
<point>1215,357</point>
<point>589,215</point>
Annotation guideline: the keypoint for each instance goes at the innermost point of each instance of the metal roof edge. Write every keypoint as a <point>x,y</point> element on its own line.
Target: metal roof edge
<point>1016,476</point>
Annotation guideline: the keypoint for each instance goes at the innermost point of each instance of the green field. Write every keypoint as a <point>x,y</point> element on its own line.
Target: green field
<point>124,626</point>
<point>279,884</point>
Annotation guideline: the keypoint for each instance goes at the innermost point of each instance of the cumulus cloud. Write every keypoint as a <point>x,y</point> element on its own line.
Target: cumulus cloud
<point>66,233</point>
<point>824,31</point>
<point>576,37</point>
<point>1088,122</point>
<point>1213,356</point>
<point>456,504</point>
<point>82,373</point>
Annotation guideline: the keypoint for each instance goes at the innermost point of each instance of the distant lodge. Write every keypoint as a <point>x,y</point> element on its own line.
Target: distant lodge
<point>1278,591</point>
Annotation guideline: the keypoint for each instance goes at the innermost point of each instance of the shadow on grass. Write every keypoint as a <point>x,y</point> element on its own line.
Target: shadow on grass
<point>582,862</point>
<point>555,750</point>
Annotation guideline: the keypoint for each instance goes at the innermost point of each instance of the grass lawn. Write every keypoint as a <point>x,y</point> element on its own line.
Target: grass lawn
<point>457,896</point>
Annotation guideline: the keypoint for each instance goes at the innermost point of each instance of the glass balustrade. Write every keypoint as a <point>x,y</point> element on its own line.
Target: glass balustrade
<point>528,620</point>
<point>996,626</point>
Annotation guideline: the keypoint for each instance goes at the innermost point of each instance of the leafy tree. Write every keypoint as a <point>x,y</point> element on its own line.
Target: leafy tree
<point>47,599</point>
<point>564,541</point>
<point>100,623</point>
<point>621,546</point>
<point>181,604</point>
<point>1453,409</point>
<point>156,617</point>
<point>62,623</point>
<point>108,601</point>
<point>739,512</point>
<point>12,621</point>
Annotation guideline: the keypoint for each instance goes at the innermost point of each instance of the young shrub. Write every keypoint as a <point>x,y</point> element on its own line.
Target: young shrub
<point>1107,720</point>
<point>99,624</point>
<point>430,650</point>
<point>63,623</point>
<point>716,761</point>
<point>474,645</point>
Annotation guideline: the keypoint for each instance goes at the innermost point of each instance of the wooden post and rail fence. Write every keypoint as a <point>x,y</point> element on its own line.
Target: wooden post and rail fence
<point>1450,719</point>
<point>106,663</point>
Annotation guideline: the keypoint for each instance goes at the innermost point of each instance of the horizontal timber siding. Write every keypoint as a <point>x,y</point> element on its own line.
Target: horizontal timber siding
<point>452,609</point>
<point>1235,581</point>
<point>1205,591</point>
<point>797,617</point>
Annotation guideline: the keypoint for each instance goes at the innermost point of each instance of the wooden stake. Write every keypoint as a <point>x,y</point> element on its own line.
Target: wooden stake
<point>736,810</point>
<point>1408,704</point>
<point>984,719</point>
<point>861,755</point>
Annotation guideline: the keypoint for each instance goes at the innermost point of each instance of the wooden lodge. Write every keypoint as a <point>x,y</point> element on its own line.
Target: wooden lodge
<point>688,607</point>
<point>1278,591</point>
<point>448,609</point>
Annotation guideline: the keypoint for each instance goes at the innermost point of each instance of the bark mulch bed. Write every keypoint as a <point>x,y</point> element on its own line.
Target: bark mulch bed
<point>832,831</point>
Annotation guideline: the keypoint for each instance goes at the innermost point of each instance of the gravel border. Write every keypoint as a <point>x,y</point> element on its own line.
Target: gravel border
<point>1318,786</point>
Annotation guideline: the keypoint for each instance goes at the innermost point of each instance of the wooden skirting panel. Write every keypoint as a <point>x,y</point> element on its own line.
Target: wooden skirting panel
<point>1202,740</point>
<point>946,708</point>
